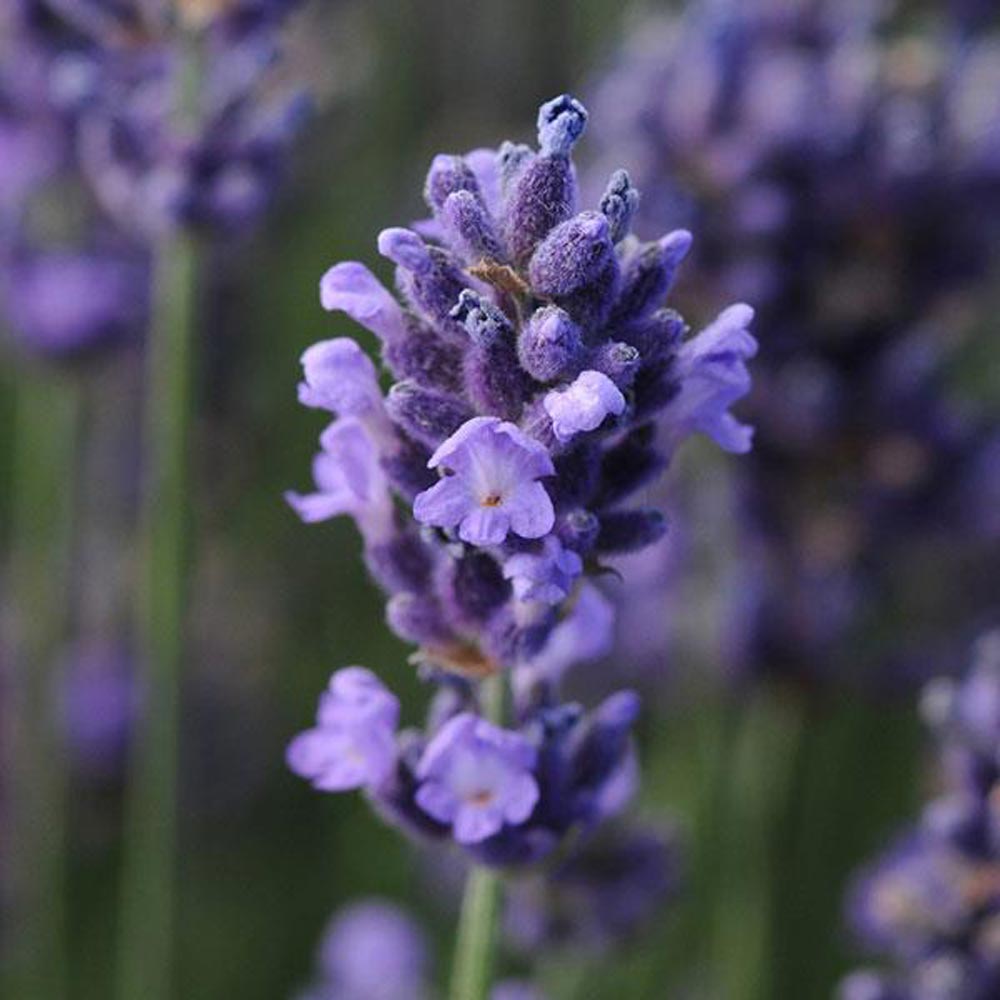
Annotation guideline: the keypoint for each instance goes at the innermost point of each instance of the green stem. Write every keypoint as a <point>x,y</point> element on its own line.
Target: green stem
<point>44,474</point>
<point>146,956</point>
<point>475,949</point>
<point>472,973</point>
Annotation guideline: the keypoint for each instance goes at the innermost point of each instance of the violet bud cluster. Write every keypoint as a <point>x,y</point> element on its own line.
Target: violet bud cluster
<point>930,905</point>
<point>531,355</point>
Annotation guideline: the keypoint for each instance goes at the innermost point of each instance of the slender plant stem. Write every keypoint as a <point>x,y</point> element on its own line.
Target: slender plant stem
<point>475,949</point>
<point>44,474</point>
<point>147,928</point>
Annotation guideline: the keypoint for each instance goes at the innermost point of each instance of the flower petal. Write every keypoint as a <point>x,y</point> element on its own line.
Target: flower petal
<point>530,510</point>
<point>352,288</point>
<point>444,504</point>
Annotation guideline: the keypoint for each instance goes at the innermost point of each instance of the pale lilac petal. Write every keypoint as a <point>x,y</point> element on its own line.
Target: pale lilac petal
<point>355,693</point>
<point>455,445</point>
<point>339,377</point>
<point>731,435</point>
<point>546,576</point>
<point>444,504</point>
<point>349,448</point>
<point>437,801</point>
<point>315,507</point>
<point>522,797</point>
<point>485,525</point>
<point>352,288</point>
<point>533,457</point>
<point>583,405</point>
<point>713,376</point>
<point>344,774</point>
<point>456,730</point>
<point>530,510</point>
<point>512,746</point>
<point>473,824</point>
<point>308,753</point>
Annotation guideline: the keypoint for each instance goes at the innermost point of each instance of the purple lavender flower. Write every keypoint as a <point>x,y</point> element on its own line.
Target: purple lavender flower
<point>547,576</point>
<point>529,354</point>
<point>61,303</point>
<point>583,405</point>
<point>353,744</point>
<point>490,484</point>
<point>339,377</point>
<point>713,379</point>
<point>477,777</point>
<point>930,903</point>
<point>348,479</point>
<point>372,950</point>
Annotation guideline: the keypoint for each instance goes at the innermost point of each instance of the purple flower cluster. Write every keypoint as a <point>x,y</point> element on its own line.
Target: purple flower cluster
<point>530,359</point>
<point>179,116</point>
<point>134,118</point>
<point>842,169</point>
<point>80,283</point>
<point>931,904</point>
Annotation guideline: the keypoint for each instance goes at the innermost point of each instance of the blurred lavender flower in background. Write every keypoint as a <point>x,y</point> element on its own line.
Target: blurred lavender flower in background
<point>99,704</point>
<point>931,904</point>
<point>118,71</point>
<point>841,166</point>
<point>373,949</point>
<point>88,119</point>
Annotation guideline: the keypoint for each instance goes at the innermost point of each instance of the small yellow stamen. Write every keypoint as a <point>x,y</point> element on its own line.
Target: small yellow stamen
<point>492,500</point>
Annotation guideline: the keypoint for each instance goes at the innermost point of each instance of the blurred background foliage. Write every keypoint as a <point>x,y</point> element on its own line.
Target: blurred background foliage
<point>780,793</point>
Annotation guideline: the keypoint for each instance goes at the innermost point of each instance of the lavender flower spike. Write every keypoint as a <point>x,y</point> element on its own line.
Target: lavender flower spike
<point>477,777</point>
<point>529,347</point>
<point>490,486</point>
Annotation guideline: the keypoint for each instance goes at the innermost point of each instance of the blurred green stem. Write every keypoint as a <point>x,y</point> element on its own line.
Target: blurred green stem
<point>472,971</point>
<point>44,474</point>
<point>146,936</point>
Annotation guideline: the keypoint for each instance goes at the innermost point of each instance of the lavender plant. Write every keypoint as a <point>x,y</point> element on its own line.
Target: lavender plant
<point>529,360</point>
<point>170,121</point>
<point>841,164</point>
<point>930,905</point>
